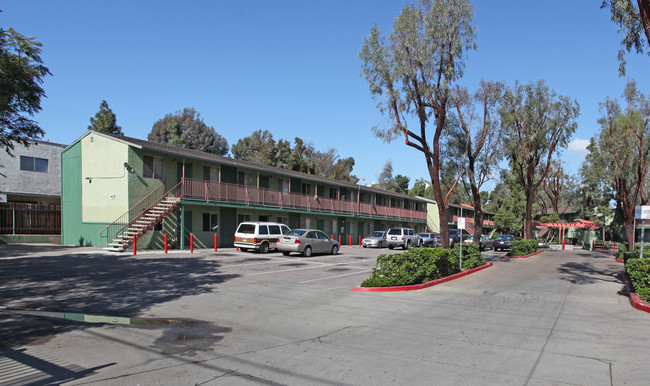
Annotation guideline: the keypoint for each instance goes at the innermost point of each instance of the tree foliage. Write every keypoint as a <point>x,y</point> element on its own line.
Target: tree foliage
<point>21,74</point>
<point>620,153</point>
<point>477,132</point>
<point>558,192</point>
<point>634,22</point>
<point>262,148</point>
<point>186,129</point>
<point>411,74</point>
<point>537,123</point>
<point>105,120</point>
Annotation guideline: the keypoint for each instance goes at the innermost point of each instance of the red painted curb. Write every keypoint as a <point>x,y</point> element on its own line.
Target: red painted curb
<point>635,300</point>
<point>620,261</point>
<point>522,257</point>
<point>423,285</point>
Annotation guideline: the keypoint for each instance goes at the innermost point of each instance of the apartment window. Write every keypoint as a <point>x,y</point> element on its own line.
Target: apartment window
<point>245,179</point>
<point>210,173</point>
<point>306,188</point>
<point>243,217</point>
<point>283,185</point>
<point>33,164</point>
<point>153,167</point>
<point>263,218</point>
<point>282,220</point>
<point>334,193</point>
<point>210,222</point>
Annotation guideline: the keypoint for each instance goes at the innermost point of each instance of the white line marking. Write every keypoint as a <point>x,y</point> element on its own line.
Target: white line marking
<point>332,277</point>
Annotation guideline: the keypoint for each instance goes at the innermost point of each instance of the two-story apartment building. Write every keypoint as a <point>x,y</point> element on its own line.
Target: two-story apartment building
<point>116,187</point>
<point>33,174</point>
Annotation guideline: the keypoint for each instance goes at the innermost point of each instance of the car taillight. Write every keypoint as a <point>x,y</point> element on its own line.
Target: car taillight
<point>402,238</point>
<point>297,241</point>
<point>255,240</point>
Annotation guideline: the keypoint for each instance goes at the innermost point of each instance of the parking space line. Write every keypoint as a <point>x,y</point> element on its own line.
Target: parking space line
<point>332,277</point>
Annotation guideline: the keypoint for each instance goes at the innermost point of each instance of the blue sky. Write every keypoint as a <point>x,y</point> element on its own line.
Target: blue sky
<point>292,67</point>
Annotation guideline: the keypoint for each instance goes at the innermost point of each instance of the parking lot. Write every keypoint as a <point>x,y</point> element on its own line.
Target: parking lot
<point>248,318</point>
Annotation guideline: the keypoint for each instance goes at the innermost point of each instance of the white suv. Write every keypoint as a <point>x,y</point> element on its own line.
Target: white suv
<point>402,237</point>
<point>261,236</point>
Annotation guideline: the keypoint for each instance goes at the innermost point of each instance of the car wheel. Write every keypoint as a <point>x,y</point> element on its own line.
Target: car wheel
<point>264,248</point>
<point>335,250</point>
<point>390,246</point>
<point>286,253</point>
<point>307,251</point>
<point>407,245</point>
<point>364,246</point>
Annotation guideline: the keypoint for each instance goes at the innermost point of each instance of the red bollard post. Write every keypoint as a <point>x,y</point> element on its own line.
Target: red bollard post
<point>603,245</point>
<point>332,237</point>
<point>563,243</point>
<point>339,239</point>
<point>593,245</point>
<point>359,240</point>
<point>215,242</point>
<point>134,246</point>
<point>191,243</point>
<point>165,243</point>
<point>350,241</point>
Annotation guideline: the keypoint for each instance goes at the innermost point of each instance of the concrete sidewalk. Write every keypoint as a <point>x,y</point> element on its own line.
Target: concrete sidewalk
<point>555,318</point>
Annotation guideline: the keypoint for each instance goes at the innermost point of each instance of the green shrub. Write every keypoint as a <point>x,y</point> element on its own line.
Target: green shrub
<point>471,256</point>
<point>522,247</point>
<point>644,293</point>
<point>625,256</point>
<point>638,271</point>
<point>421,265</point>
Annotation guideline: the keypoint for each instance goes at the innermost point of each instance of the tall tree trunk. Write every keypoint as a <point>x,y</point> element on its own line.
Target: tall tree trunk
<point>478,215</point>
<point>528,218</point>
<point>442,205</point>
<point>644,13</point>
<point>630,233</point>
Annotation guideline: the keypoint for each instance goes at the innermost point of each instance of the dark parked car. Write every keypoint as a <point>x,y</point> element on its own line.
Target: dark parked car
<point>502,242</point>
<point>454,235</point>
<point>483,244</point>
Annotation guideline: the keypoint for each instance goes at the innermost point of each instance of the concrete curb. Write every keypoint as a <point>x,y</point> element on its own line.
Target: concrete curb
<point>522,257</point>
<point>423,285</point>
<point>635,300</point>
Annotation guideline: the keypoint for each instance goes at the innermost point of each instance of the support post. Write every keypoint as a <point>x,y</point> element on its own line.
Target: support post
<point>165,242</point>
<point>182,226</point>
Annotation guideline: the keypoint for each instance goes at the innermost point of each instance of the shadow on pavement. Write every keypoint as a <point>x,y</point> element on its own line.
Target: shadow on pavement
<point>94,284</point>
<point>586,273</point>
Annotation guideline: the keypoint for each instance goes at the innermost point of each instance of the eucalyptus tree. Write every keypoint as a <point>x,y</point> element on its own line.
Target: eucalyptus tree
<point>258,147</point>
<point>478,130</point>
<point>621,151</point>
<point>558,189</point>
<point>105,120</point>
<point>21,74</point>
<point>411,73</point>
<point>634,22</point>
<point>187,129</point>
<point>537,123</point>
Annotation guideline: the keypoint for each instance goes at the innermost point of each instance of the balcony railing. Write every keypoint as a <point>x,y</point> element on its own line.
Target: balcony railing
<point>470,221</point>
<point>211,191</point>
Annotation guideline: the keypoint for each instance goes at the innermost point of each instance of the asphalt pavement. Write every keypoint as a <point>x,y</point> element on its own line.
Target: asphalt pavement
<point>235,318</point>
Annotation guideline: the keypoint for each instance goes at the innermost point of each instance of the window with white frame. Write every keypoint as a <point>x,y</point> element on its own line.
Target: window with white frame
<point>153,167</point>
<point>210,222</point>
<point>33,164</point>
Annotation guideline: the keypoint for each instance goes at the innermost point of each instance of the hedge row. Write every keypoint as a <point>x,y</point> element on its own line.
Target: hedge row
<point>638,270</point>
<point>421,265</point>
<point>522,247</point>
<point>628,255</point>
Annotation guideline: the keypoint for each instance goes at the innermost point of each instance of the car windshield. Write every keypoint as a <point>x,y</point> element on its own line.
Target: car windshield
<point>505,237</point>
<point>394,231</point>
<point>378,234</point>
<point>424,235</point>
<point>297,232</point>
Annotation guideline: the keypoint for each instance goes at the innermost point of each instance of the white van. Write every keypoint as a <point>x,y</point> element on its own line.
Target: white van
<point>261,236</point>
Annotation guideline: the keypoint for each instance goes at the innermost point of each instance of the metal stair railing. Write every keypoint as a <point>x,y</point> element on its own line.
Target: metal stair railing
<point>122,223</point>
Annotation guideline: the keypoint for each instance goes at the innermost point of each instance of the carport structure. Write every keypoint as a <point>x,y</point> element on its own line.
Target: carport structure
<point>562,226</point>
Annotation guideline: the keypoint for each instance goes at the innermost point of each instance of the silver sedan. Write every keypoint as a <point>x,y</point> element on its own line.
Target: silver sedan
<point>376,240</point>
<point>307,242</point>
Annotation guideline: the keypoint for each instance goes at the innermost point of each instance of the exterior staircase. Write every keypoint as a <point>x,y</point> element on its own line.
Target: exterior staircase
<point>140,219</point>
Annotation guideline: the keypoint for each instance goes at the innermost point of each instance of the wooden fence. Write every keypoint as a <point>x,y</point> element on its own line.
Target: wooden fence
<point>29,219</point>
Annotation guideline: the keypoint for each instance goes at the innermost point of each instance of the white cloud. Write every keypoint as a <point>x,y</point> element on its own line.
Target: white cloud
<point>578,146</point>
